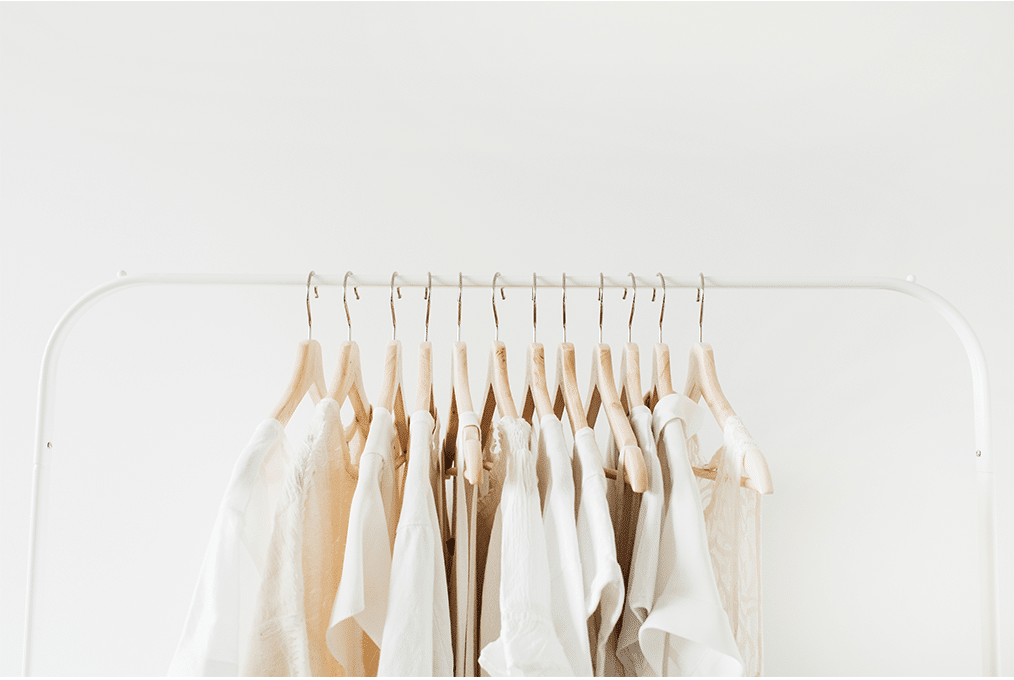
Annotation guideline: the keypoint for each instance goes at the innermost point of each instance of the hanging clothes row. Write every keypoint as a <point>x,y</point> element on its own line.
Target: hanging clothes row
<point>490,543</point>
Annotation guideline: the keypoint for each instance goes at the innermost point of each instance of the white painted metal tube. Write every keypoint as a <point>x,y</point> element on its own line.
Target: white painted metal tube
<point>988,567</point>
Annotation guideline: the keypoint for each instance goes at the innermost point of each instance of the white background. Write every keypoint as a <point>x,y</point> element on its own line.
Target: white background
<point>776,141</point>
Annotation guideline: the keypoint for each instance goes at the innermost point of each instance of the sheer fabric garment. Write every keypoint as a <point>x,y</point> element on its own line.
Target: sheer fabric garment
<point>304,557</point>
<point>360,604</point>
<point>732,518</point>
<point>216,634</point>
<point>603,581</point>
<point>527,643</point>
<point>565,569</point>
<point>687,632</point>
<point>644,556</point>
<point>417,627</point>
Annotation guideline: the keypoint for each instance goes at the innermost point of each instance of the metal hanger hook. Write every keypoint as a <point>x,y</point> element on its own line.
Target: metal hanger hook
<point>428,295</point>
<point>700,320</point>
<point>565,306</point>
<point>309,318</point>
<point>496,319</point>
<point>459,306</point>
<point>602,283</point>
<point>661,313</point>
<point>535,317</point>
<point>394,319</point>
<point>345,300</point>
<point>633,301</point>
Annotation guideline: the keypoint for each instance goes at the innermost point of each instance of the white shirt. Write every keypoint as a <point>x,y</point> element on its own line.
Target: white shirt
<point>644,559</point>
<point>527,644</point>
<point>687,632</point>
<point>565,569</point>
<point>603,582</point>
<point>417,628</point>
<point>361,600</point>
<point>217,629</point>
<point>301,573</point>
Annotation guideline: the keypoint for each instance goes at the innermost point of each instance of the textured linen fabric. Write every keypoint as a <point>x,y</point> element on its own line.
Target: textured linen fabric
<point>527,644</point>
<point>565,568</point>
<point>304,558</point>
<point>732,518</point>
<point>217,629</point>
<point>687,632</point>
<point>360,604</point>
<point>463,577</point>
<point>644,558</point>
<point>603,581</point>
<point>417,628</point>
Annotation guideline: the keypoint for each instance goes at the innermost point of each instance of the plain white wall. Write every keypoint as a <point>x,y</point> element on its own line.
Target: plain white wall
<point>741,140</point>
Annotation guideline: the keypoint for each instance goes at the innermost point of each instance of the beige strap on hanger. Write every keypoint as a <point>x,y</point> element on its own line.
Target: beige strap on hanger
<point>602,395</point>
<point>308,372</point>
<point>702,381</point>
<point>461,402</point>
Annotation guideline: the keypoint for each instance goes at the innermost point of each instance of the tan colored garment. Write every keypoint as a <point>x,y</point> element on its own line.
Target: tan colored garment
<point>305,556</point>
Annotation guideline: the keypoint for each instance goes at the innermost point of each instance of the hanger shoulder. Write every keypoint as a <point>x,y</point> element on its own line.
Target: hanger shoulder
<point>623,434</point>
<point>702,381</point>
<point>461,401</point>
<point>630,374</point>
<point>424,380</point>
<point>661,374</point>
<point>392,393</point>
<point>567,393</point>
<point>347,383</point>
<point>537,397</point>
<point>307,377</point>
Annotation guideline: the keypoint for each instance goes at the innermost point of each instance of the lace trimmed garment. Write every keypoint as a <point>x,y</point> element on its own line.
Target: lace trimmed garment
<point>732,518</point>
<point>417,628</point>
<point>603,582</point>
<point>527,644</point>
<point>687,632</point>
<point>360,604</point>
<point>217,630</point>
<point>305,556</point>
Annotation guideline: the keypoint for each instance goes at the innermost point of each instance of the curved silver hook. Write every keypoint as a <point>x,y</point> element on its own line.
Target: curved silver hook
<point>496,319</point>
<point>394,319</point>
<point>661,312</point>
<point>535,317</point>
<point>309,318</point>
<point>700,320</point>
<point>602,280</point>
<point>459,307</point>
<point>345,301</point>
<point>633,301</point>
<point>565,306</point>
<point>428,295</point>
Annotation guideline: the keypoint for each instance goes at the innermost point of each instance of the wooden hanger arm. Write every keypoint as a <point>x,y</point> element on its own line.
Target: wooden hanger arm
<point>307,376</point>
<point>567,393</point>
<point>702,381</point>
<point>501,382</point>
<point>424,380</point>
<point>630,374</point>
<point>603,394</point>
<point>537,397</point>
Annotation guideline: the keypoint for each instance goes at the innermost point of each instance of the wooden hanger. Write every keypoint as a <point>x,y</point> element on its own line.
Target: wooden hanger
<point>567,395</point>
<point>347,382</point>
<point>461,402</point>
<point>391,392</point>
<point>630,361</point>
<point>424,383</point>
<point>307,374</point>
<point>702,381</point>
<point>498,390</point>
<point>661,375</point>
<point>536,390</point>
<point>602,395</point>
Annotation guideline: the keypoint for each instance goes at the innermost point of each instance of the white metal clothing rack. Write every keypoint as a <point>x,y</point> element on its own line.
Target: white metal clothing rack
<point>988,587</point>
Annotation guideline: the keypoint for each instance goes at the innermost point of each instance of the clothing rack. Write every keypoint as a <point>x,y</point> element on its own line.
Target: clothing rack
<point>986,485</point>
